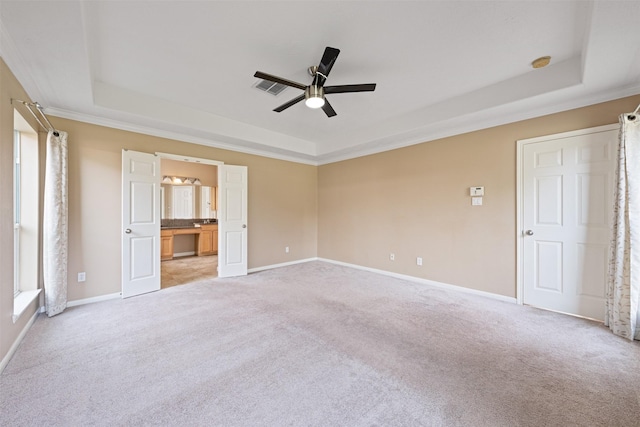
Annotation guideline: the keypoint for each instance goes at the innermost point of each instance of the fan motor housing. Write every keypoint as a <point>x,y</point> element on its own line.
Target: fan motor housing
<point>314,92</point>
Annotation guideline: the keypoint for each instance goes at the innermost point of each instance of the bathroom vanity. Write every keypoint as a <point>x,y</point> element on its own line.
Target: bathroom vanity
<point>205,239</point>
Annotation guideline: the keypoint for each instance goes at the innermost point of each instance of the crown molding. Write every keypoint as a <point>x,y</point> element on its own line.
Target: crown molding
<point>178,136</point>
<point>433,132</point>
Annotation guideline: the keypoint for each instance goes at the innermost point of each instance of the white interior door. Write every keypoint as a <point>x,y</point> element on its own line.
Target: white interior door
<point>183,202</point>
<point>232,220</point>
<point>567,186</point>
<point>140,223</point>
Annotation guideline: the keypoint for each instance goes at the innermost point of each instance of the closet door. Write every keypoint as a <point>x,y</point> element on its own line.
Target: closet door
<point>567,185</point>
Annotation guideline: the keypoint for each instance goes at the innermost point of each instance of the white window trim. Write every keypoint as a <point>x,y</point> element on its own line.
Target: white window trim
<point>16,266</point>
<point>22,301</point>
<point>27,288</point>
<point>16,220</point>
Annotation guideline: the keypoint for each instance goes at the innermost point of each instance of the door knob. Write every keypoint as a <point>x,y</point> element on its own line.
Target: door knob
<point>128,230</point>
<point>529,232</point>
<point>244,225</point>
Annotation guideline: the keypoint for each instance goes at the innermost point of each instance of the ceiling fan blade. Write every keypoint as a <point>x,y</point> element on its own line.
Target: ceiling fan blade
<point>328,109</point>
<point>368,87</point>
<point>289,104</point>
<point>275,79</point>
<point>326,64</point>
<point>328,59</point>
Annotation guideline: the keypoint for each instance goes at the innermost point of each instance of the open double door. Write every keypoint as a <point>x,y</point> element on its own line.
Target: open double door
<point>141,222</point>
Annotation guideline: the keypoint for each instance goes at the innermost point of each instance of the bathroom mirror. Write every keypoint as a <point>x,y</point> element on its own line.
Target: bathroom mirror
<point>188,201</point>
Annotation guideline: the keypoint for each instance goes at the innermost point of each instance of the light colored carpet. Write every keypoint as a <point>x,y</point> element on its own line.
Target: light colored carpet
<point>317,344</point>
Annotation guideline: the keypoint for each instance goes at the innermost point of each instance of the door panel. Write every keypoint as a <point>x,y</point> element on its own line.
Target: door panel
<point>548,262</point>
<point>566,197</point>
<point>592,199</point>
<point>142,199</point>
<point>593,259</point>
<point>140,223</point>
<point>548,200</point>
<point>141,266</point>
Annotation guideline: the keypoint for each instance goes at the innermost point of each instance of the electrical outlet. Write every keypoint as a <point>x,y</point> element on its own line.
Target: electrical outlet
<point>419,261</point>
<point>286,249</point>
<point>392,257</point>
<point>82,276</point>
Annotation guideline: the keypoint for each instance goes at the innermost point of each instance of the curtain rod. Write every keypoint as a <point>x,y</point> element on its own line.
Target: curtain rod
<point>38,107</point>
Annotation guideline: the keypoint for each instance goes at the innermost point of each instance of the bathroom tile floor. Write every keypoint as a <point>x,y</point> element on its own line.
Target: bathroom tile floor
<point>183,270</point>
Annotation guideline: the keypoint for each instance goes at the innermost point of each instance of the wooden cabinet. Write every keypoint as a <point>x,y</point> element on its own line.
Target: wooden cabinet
<point>206,240</point>
<point>166,245</point>
<point>208,244</point>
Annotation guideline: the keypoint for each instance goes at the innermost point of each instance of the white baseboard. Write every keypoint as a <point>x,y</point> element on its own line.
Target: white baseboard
<point>284,264</point>
<point>16,343</point>
<point>424,281</point>
<point>179,254</point>
<point>93,299</point>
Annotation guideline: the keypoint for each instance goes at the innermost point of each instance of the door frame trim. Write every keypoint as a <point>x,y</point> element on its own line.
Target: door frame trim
<point>182,158</point>
<point>520,190</point>
<point>191,159</point>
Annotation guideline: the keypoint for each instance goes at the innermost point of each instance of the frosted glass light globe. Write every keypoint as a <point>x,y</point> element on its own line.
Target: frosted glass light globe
<point>314,102</point>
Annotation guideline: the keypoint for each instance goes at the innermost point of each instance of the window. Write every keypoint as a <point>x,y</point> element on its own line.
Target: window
<point>16,212</point>
<point>26,215</point>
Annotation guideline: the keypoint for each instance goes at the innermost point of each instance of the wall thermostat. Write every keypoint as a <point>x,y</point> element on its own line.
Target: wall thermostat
<point>476,191</point>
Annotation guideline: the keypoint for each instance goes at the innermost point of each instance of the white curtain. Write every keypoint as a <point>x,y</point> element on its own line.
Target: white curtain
<point>55,233</point>
<point>623,285</point>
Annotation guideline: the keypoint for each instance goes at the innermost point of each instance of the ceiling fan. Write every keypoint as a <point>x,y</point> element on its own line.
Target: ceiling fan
<point>314,94</point>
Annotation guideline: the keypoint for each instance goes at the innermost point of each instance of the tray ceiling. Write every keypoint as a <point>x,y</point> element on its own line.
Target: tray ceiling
<point>184,69</point>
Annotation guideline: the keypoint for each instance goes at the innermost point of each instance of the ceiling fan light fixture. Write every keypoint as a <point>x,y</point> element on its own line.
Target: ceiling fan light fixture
<point>314,96</point>
<point>314,93</point>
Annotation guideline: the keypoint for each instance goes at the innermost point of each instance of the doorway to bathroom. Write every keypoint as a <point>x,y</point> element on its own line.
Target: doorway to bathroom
<point>189,221</point>
<point>144,238</point>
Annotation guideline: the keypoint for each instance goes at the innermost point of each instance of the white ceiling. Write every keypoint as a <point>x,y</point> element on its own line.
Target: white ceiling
<point>184,69</point>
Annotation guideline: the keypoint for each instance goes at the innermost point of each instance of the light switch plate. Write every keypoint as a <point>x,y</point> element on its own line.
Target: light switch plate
<point>476,191</point>
<point>476,201</point>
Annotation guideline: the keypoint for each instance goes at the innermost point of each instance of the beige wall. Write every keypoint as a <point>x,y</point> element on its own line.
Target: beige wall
<point>10,88</point>
<point>415,202</point>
